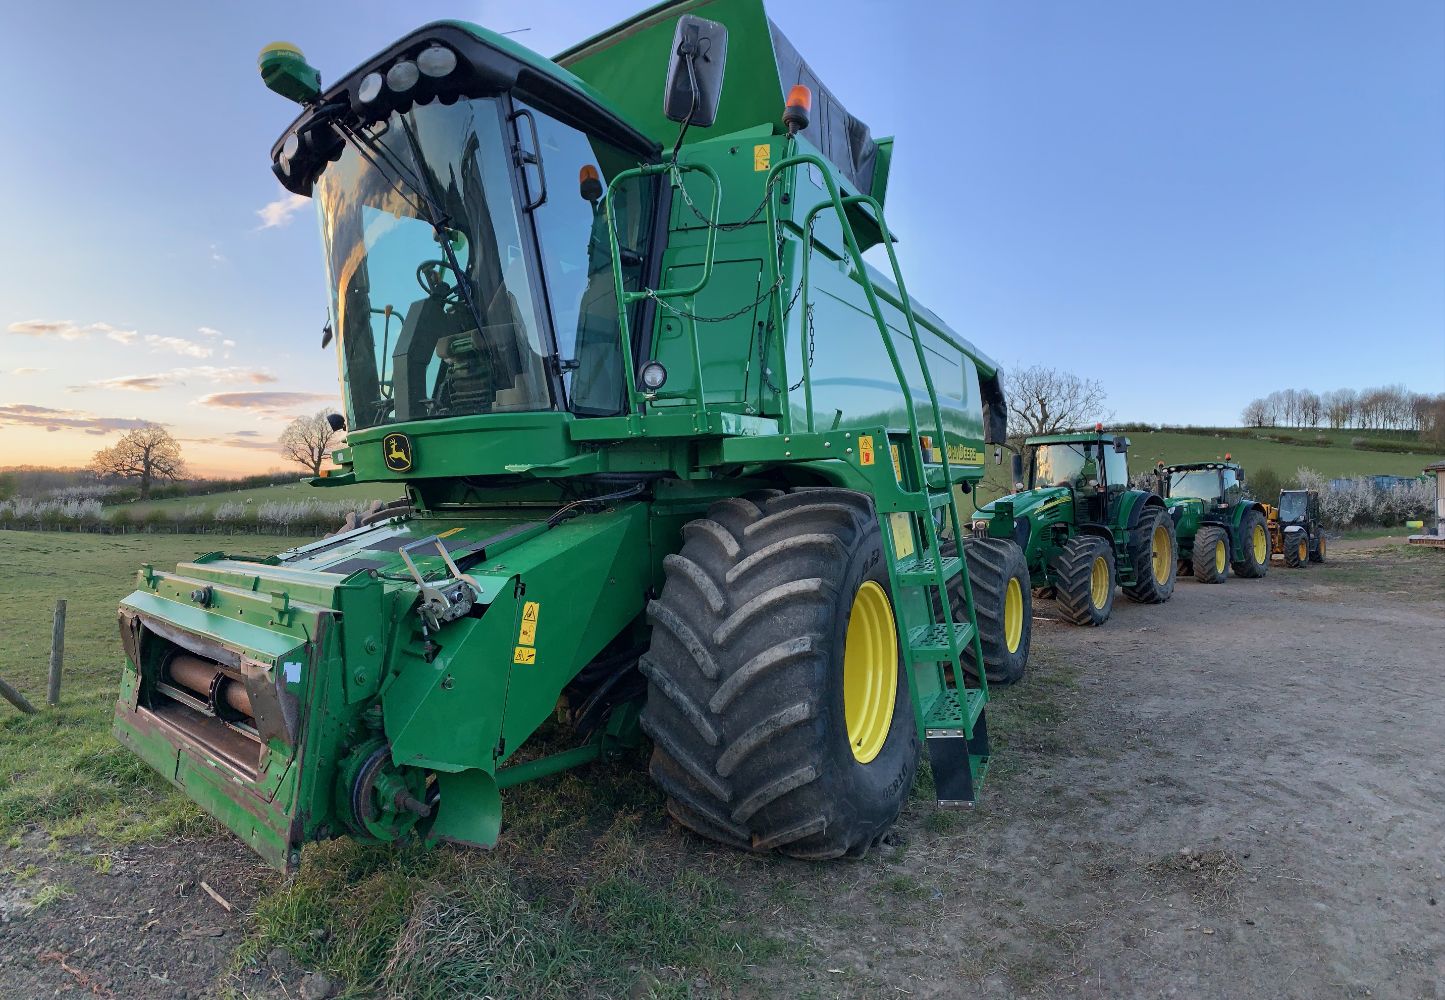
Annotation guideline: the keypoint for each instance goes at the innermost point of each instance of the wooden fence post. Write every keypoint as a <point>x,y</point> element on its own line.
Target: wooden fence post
<point>57,653</point>
<point>15,698</point>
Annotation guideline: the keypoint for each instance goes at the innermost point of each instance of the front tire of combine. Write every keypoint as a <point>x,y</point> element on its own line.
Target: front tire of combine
<point>1211,554</point>
<point>777,702</point>
<point>1084,575</point>
<point>1255,563</point>
<point>1318,555</point>
<point>1003,605</point>
<point>1296,549</point>
<point>1152,552</point>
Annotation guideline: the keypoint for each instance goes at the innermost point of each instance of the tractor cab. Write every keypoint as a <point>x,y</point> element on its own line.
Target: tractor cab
<point>1298,506</point>
<point>1094,466</point>
<point>1217,483</point>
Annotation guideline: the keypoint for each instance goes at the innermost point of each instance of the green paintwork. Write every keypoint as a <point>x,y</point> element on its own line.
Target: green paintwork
<point>1221,509</point>
<point>1052,515</point>
<point>333,633</point>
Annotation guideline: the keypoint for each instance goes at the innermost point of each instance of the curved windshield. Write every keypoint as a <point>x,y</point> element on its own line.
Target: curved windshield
<point>432,320</point>
<point>1200,483</point>
<point>1073,465</point>
<point>1292,506</point>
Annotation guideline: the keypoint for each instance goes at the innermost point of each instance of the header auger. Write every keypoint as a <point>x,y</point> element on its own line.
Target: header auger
<point>677,462</point>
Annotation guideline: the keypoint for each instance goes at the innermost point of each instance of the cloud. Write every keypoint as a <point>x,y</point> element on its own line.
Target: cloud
<point>179,376</point>
<point>64,329</point>
<point>208,331</point>
<point>29,415</point>
<point>179,345</point>
<point>279,212</point>
<point>237,441</point>
<point>216,256</point>
<point>265,402</point>
<point>28,371</point>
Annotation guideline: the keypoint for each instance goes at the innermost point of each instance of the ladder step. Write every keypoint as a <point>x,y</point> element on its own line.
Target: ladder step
<point>926,501</point>
<point>929,643</point>
<point>959,761</point>
<point>947,712</point>
<point>919,570</point>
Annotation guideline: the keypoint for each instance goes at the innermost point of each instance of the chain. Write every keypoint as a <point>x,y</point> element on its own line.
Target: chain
<point>722,227</point>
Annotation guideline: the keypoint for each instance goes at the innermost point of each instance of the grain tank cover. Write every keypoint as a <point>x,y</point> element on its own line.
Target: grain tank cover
<point>629,62</point>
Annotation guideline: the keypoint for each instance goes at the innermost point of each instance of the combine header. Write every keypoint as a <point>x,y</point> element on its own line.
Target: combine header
<point>677,462</point>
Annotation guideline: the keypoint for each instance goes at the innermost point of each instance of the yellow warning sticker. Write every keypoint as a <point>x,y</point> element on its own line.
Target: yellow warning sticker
<point>527,634</point>
<point>897,465</point>
<point>524,654</point>
<point>448,534</point>
<point>762,156</point>
<point>902,535</point>
<point>865,449</point>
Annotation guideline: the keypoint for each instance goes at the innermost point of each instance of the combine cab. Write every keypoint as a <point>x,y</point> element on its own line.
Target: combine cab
<point>1220,528</point>
<point>677,462</point>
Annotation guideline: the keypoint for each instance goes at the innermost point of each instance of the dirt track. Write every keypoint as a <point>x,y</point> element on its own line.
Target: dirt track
<point>1238,794</point>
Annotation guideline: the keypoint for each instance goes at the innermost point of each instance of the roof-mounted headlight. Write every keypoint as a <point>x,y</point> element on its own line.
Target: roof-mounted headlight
<point>369,89</point>
<point>436,61</point>
<point>403,76</point>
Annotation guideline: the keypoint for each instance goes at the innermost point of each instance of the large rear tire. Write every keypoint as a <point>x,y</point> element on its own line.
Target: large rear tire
<point>1318,555</point>
<point>1084,580</point>
<point>1211,554</point>
<point>1003,605</point>
<point>777,702</point>
<point>1154,554</point>
<point>1254,536</point>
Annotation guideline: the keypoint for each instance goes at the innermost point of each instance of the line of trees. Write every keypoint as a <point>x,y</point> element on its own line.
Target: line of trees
<point>1389,407</point>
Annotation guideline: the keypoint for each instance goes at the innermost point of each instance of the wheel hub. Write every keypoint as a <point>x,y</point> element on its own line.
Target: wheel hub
<point>1013,615</point>
<point>1099,582</point>
<point>1261,545</point>
<point>1160,554</point>
<point>870,671</point>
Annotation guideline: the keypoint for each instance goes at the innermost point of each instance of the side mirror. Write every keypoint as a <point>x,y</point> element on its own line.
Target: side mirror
<point>695,71</point>
<point>326,335</point>
<point>1121,444</point>
<point>336,422</point>
<point>1018,468</point>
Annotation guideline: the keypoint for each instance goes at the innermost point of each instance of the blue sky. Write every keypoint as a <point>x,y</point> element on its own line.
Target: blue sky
<point>1166,197</point>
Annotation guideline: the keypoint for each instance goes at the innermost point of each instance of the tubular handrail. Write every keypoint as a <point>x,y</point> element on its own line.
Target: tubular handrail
<point>625,298</point>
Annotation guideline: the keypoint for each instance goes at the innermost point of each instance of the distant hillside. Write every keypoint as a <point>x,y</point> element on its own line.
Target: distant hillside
<point>1251,448</point>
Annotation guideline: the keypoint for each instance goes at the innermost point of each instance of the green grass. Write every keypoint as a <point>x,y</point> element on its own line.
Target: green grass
<point>284,493</point>
<point>1250,449</point>
<point>61,770</point>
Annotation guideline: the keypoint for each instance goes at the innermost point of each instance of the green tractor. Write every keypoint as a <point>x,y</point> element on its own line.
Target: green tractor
<point>1081,528</point>
<point>676,461</point>
<point>1220,527</point>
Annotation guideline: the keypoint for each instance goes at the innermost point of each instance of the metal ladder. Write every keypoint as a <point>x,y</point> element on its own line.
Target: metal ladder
<point>951,718</point>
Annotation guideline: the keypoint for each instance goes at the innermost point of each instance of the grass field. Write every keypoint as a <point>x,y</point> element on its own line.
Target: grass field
<point>1338,459</point>
<point>284,493</point>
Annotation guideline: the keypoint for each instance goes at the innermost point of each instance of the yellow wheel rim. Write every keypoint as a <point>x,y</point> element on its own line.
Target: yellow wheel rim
<point>1304,551</point>
<point>1261,544</point>
<point>870,671</point>
<point>1320,546</point>
<point>1161,555</point>
<point>1013,615</point>
<point>1219,557</point>
<point>1099,582</point>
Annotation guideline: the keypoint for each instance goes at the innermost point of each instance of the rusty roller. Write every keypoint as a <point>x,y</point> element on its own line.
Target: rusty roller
<point>206,679</point>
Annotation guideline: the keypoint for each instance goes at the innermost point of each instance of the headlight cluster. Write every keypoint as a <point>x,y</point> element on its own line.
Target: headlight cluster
<point>435,62</point>
<point>980,528</point>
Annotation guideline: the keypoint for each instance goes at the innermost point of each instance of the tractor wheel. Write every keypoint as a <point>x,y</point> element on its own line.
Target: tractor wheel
<point>1255,539</point>
<point>1084,575</point>
<point>1296,549</point>
<point>1211,554</point>
<point>777,700</point>
<point>1318,555</point>
<point>1153,554</point>
<point>1002,605</point>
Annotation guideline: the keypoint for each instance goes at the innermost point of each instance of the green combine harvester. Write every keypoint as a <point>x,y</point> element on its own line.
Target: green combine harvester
<point>1081,528</point>
<point>1220,527</point>
<point>676,462</point>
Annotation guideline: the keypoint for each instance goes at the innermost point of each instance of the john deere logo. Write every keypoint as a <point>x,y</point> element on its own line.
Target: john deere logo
<point>396,449</point>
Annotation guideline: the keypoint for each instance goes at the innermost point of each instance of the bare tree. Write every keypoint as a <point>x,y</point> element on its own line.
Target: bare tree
<point>1339,407</point>
<point>1256,414</point>
<point>307,441</point>
<point>147,453</point>
<point>1045,400</point>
